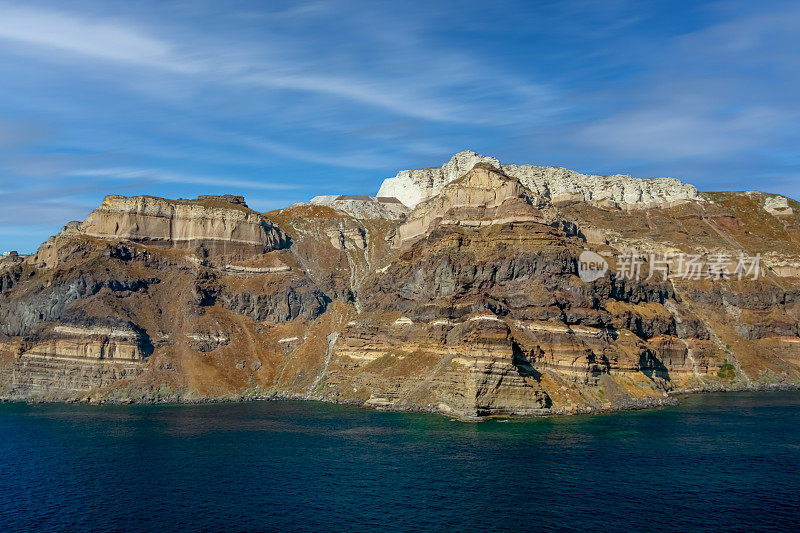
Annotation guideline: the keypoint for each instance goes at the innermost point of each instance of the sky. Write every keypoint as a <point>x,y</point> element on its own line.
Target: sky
<point>282,101</point>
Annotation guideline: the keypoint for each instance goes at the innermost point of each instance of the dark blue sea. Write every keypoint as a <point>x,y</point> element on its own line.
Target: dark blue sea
<point>714,462</point>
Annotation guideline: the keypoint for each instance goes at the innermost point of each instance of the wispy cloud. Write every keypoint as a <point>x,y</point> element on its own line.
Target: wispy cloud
<point>715,95</point>
<point>365,159</point>
<point>50,215</point>
<point>680,130</point>
<point>332,96</point>
<point>153,175</point>
<point>101,39</point>
<point>418,85</point>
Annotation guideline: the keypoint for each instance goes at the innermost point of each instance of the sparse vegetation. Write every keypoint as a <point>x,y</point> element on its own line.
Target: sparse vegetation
<point>726,371</point>
<point>254,392</point>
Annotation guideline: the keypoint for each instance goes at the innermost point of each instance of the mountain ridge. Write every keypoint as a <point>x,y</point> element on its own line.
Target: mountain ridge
<point>468,303</point>
<point>556,183</point>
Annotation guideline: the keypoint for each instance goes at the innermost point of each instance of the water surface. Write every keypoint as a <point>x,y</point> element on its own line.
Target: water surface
<point>719,461</point>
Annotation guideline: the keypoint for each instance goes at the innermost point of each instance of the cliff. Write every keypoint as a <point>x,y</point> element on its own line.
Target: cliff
<point>363,206</point>
<point>217,225</point>
<point>483,196</point>
<point>463,294</point>
<point>556,184</point>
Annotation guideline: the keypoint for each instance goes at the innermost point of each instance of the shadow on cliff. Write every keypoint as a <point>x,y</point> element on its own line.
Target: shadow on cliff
<point>652,367</point>
<point>522,362</point>
<point>145,344</point>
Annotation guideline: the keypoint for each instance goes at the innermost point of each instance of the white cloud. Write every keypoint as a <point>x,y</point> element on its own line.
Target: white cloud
<point>128,173</point>
<point>439,86</point>
<point>714,95</point>
<point>81,35</point>
<point>361,159</point>
<point>359,90</point>
<point>674,132</point>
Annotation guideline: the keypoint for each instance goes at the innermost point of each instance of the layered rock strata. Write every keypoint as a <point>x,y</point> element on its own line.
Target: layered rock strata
<point>481,197</point>
<point>218,225</point>
<point>468,304</point>
<point>73,359</point>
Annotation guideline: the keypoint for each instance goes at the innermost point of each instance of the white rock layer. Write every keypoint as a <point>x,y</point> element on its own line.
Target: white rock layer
<point>778,205</point>
<point>556,184</point>
<point>364,206</point>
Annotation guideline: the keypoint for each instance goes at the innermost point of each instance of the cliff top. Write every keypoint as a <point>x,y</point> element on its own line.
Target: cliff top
<point>226,201</point>
<point>555,183</point>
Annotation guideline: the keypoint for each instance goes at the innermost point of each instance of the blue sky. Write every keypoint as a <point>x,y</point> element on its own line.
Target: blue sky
<point>281,101</point>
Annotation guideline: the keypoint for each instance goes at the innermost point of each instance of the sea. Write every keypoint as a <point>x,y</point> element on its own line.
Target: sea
<point>714,462</point>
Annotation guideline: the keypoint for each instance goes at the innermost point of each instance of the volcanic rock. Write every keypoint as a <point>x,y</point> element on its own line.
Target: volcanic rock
<point>559,185</point>
<point>459,294</point>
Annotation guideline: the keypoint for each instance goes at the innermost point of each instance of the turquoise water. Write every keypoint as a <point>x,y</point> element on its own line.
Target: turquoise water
<point>721,461</point>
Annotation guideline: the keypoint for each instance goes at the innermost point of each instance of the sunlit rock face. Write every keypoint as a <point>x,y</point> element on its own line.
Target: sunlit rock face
<point>463,297</point>
<point>481,197</point>
<point>777,205</point>
<point>558,185</point>
<point>364,207</point>
<point>73,359</point>
<point>413,186</point>
<point>217,225</point>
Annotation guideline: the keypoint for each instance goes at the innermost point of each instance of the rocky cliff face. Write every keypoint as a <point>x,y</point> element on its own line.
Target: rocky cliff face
<point>468,304</point>
<point>364,207</point>
<point>74,359</point>
<point>556,184</point>
<point>217,225</point>
<point>483,196</point>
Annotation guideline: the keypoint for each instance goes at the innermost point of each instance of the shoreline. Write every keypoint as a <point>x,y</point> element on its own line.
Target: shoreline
<point>673,398</point>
